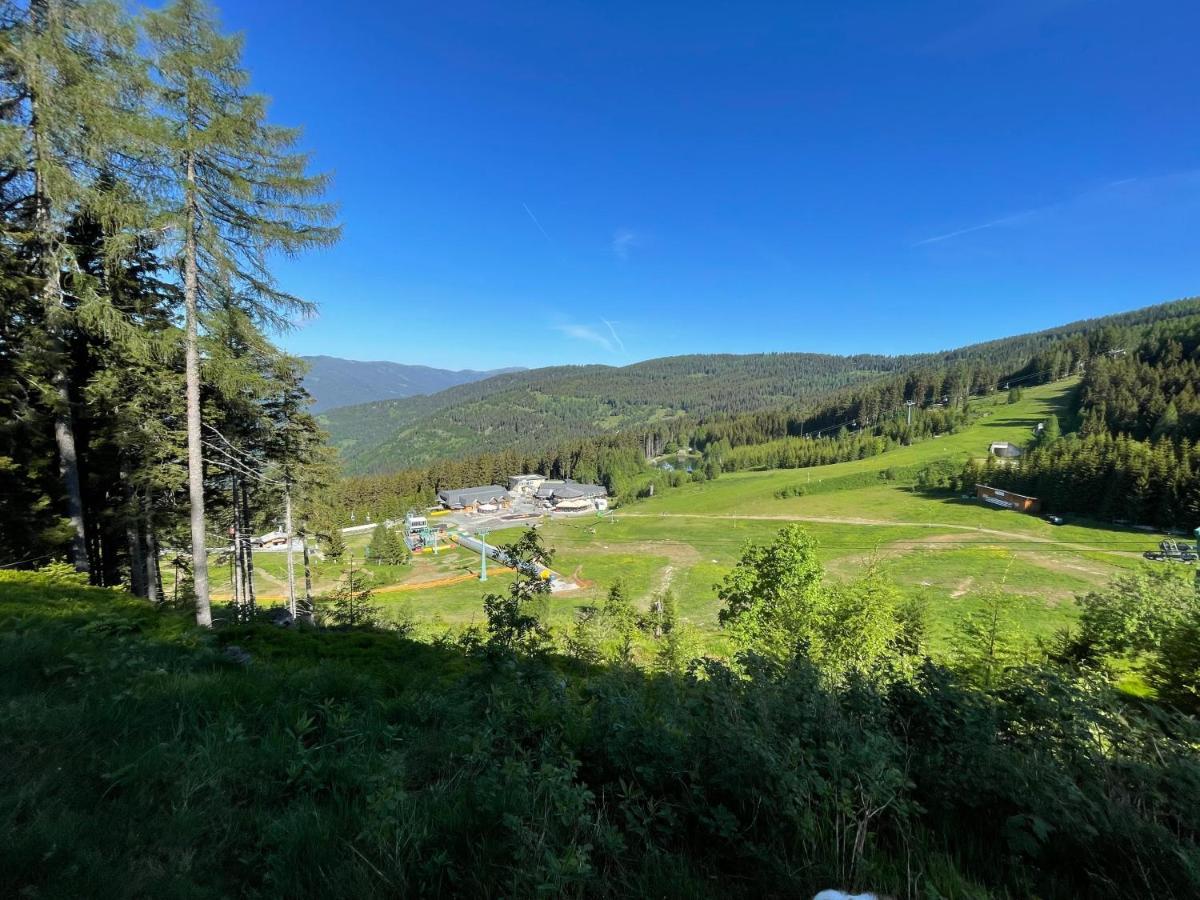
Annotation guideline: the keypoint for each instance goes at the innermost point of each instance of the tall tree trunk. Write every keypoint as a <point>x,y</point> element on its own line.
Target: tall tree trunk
<point>238,576</point>
<point>154,588</point>
<point>248,551</point>
<point>195,452</point>
<point>291,565</point>
<point>52,303</point>
<point>307,612</point>
<point>133,535</point>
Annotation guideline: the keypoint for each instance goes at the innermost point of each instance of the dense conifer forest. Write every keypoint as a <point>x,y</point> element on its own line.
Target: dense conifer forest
<point>795,393</point>
<point>1138,374</point>
<point>143,405</point>
<point>1135,454</point>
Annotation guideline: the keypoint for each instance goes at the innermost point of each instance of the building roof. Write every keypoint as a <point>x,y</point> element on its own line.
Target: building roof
<point>546,491</point>
<point>573,491</point>
<point>575,503</point>
<point>569,490</point>
<point>999,492</point>
<point>489,493</point>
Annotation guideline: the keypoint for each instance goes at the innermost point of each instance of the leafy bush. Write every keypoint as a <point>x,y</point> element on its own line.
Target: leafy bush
<point>138,759</point>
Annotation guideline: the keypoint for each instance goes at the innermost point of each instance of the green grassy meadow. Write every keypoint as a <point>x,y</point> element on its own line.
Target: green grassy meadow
<point>944,549</point>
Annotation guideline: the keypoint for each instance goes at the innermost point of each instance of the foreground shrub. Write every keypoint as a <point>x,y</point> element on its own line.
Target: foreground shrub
<point>137,758</point>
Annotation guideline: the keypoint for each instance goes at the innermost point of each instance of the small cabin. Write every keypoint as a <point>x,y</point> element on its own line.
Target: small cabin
<point>1007,499</point>
<point>1004,450</point>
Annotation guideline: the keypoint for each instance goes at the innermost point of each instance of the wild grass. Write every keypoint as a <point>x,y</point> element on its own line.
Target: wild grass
<point>139,757</point>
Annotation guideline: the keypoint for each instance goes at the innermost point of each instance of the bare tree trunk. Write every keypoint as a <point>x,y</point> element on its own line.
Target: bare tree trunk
<point>195,452</point>
<point>307,612</point>
<point>291,565</point>
<point>154,589</point>
<point>248,549</point>
<point>132,514</point>
<point>52,301</point>
<point>238,578</point>
<point>68,469</point>
<point>137,558</point>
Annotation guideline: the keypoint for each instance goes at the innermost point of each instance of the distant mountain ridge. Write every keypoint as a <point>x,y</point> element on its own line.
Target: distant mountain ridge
<point>333,381</point>
<point>535,409</point>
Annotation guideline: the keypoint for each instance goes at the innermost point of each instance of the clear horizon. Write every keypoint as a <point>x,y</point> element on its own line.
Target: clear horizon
<point>558,183</point>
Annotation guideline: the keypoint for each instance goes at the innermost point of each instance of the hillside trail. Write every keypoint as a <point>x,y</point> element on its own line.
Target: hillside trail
<point>877,523</point>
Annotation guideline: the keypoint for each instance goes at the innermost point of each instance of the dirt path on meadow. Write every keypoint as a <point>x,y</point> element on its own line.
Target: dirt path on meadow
<point>1011,536</point>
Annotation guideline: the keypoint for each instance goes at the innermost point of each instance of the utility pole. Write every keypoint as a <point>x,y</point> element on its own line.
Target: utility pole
<point>482,535</point>
<point>910,404</point>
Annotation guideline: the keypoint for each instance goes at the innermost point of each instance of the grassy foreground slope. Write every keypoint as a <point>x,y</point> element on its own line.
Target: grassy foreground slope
<point>140,756</point>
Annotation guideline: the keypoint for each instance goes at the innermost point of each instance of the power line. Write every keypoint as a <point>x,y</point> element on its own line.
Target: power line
<point>21,562</point>
<point>235,464</point>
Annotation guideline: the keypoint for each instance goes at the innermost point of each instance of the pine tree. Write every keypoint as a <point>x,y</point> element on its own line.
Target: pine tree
<point>236,192</point>
<point>398,553</point>
<point>1051,431</point>
<point>1168,423</point>
<point>349,603</point>
<point>513,620</point>
<point>335,544</point>
<point>621,617</point>
<point>377,550</point>
<point>71,69</point>
<point>583,641</point>
<point>985,645</point>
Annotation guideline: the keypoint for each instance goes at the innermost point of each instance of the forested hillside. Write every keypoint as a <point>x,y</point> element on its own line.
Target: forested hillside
<point>336,382</point>
<point>667,399</point>
<point>529,411</point>
<point>855,421</point>
<point>1136,453</point>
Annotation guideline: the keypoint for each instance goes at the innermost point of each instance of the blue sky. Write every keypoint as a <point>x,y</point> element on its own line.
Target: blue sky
<point>561,182</point>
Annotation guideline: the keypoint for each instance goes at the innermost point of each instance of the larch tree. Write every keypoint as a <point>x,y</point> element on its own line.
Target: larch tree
<point>235,192</point>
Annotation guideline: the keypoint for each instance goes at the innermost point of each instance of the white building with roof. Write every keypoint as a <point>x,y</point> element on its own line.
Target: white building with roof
<point>472,498</point>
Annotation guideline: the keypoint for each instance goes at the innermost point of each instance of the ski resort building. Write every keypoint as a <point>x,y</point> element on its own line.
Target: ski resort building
<point>473,499</point>
<point>1007,499</point>
<point>570,496</point>
<point>525,485</point>
<point>1004,450</point>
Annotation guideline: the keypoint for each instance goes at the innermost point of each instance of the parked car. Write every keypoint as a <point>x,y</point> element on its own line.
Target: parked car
<point>1056,520</point>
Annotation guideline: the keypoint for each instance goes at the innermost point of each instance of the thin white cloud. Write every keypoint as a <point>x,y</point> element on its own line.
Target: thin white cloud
<point>1169,187</point>
<point>588,334</point>
<point>616,337</point>
<point>536,222</point>
<point>996,223</point>
<point>623,241</point>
